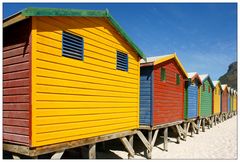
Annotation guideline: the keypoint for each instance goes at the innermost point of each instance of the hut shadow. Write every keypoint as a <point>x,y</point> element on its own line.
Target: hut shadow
<point>138,146</point>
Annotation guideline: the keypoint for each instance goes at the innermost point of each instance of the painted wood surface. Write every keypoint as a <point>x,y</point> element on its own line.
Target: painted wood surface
<point>191,101</point>
<point>206,99</point>
<point>229,102</point>
<point>146,95</point>
<point>225,100</point>
<point>16,83</point>
<point>234,102</point>
<point>73,99</point>
<point>168,96</point>
<point>217,99</point>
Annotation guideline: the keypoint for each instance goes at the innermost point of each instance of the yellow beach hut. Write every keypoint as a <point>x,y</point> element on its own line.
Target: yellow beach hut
<point>68,75</point>
<point>217,97</point>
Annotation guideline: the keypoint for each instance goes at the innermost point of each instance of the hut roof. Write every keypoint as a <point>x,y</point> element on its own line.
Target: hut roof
<point>224,86</point>
<point>217,82</point>
<point>150,61</point>
<point>230,90</point>
<point>28,12</point>
<point>194,75</point>
<point>203,77</point>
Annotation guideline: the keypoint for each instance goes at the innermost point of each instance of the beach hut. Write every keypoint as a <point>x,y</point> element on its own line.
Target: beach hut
<point>191,102</point>
<point>232,99</point>
<point>229,99</point>
<point>217,92</point>
<point>235,101</point>
<point>68,75</point>
<point>224,106</point>
<point>161,92</point>
<point>217,97</point>
<point>206,89</point>
<point>205,100</point>
<point>191,95</point>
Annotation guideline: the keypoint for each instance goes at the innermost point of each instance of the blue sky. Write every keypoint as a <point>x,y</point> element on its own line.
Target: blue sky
<point>204,35</point>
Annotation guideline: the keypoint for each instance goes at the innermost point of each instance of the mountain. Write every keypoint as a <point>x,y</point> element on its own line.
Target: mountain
<point>230,78</point>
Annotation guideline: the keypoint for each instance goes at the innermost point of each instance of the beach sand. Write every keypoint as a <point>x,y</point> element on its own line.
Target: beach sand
<point>219,142</point>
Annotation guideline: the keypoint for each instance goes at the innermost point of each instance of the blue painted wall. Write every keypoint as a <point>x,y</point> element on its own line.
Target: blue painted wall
<point>192,99</point>
<point>146,95</point>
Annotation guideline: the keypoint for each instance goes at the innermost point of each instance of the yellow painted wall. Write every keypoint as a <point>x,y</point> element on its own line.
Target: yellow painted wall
<point>217,99</point>
<point>73,99</point>
<point>234,102</point>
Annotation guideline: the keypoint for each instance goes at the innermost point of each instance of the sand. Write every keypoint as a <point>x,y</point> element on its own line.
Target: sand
<point>219,142</point>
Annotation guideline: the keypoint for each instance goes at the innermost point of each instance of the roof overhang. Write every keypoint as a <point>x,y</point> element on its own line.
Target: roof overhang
<point>209,79</point>
<point>164,59</point>
<point>196,76</point>
<point>14,19</point>
<point>218,84</point>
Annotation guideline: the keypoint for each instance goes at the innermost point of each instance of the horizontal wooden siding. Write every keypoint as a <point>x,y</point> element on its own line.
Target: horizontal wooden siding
<point>206,100</point>
<point>146,95</point>
<point>192,100</point>
<point>168,96</point>
<point>16,83</point>
<point>74,99</point>
<point>217,99</point>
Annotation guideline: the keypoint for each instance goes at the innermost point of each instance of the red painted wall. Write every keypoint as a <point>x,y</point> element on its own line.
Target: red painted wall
<point>168,97</point>
<point>225,101</point>
<point>16,83</point>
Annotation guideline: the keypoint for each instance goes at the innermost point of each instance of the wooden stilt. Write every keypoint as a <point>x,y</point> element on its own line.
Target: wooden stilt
<point>191,129</point>
<point>180,132</point>
<point>154,137</point>
<point>127,146</point>
<point>16,157</point>
<point>185,129</point>
<point>149,152</point>
<point>208,123</point>
<point>203,125</point>
<point>188,126</point>
<point>177,132</point>
<point>166,139</point>
<point>131,143</point>
<point>178,140</point>
<point>57,155</point>
<point>92,151</point>
<point>200,123</point>
<point>195,128</point>
<point>212,118</point>
<point>144,140</point>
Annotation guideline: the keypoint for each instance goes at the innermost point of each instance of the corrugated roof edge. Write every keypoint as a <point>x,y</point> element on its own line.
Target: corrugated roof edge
<point>63,12</point>
<point>87,13</point>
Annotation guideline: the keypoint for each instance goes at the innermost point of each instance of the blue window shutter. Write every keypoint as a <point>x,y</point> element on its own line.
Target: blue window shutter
<point>122,61</point>
<point>72,46</point>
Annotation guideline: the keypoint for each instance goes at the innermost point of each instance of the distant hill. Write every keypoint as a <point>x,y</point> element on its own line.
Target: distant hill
<point>230,78</point>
